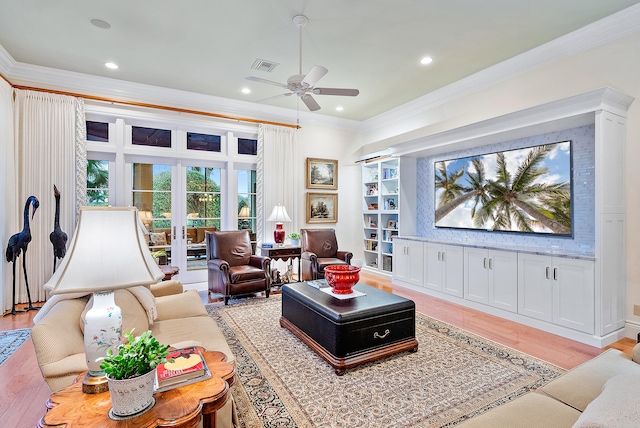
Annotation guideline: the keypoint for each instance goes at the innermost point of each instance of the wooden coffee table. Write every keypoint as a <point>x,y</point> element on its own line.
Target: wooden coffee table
<point>346,333</point>
<point>180,407</point>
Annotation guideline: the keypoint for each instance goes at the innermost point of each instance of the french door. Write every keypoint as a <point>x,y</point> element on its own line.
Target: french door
<point>179,202</point>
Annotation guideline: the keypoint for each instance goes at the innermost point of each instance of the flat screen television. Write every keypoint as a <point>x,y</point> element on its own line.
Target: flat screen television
<point>525,190</point>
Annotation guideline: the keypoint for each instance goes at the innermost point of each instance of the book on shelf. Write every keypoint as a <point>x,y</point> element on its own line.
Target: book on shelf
<point>188,366</point>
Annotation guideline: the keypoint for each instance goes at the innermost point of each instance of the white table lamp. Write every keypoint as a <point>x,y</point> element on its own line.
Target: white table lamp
<point>279,215</point>
<point>107,252</point>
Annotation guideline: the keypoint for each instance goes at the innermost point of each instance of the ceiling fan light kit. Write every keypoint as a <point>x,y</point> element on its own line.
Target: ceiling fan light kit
<point>304,85</point>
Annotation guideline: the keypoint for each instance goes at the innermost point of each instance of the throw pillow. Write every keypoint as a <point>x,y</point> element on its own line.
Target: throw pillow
<point>616,406</point>
<point>158,238</point>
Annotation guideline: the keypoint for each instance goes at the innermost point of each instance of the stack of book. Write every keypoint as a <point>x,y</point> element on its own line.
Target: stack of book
<point>186,366</point>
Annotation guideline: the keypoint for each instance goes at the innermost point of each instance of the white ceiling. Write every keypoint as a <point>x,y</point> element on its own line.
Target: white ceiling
<point>209,46</point>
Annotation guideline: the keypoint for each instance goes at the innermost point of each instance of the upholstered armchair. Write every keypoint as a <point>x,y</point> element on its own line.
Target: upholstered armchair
<point>233,269</point>
<point>319,250</point>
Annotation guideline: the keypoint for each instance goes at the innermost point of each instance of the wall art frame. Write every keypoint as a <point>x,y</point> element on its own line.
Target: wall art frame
<point>322,207</point>
<point>322,174</point>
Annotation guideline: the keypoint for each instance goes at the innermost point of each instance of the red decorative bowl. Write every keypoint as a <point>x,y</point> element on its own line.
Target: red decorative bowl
<point>342,278</point>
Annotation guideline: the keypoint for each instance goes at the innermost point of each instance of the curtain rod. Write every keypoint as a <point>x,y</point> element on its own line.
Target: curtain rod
<point>148,105</point>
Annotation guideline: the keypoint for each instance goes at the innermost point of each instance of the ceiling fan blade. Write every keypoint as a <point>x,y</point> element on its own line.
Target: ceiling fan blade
<point>336,91</point>
<point>310,102</point>
<point>275,97</point>
<point>313,76</point>
<point>268,82</point>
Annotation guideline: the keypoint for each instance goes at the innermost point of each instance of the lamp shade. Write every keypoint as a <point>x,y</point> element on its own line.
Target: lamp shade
<point>279,214</point>
<point>107,252</point>
<point>245,212</point>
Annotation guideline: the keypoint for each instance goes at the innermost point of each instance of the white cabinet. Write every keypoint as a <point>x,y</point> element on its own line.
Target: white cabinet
<point>491,277</point>
<point>443,268</point>
<point>407,261</point>
<point>557,289</point>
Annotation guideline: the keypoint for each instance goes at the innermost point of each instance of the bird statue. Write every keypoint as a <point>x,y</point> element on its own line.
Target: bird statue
<point>18,243</point>
<point>58,238</point>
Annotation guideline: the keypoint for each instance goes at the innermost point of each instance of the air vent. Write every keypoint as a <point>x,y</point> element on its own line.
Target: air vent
<point>264,65</point>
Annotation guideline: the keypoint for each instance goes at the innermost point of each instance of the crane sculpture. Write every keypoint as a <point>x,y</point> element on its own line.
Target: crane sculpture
<point>18,243</point>
<point>58,238</point>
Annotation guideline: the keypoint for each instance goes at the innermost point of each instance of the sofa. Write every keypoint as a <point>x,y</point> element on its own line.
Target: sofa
<point>602,392</point>
<point>181,320</point>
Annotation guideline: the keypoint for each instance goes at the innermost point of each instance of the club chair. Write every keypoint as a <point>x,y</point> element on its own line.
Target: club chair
<point>233,269</point>
<point>319,250</point>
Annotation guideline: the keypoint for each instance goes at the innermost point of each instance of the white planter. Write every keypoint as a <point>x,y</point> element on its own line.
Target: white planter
<point>131,396</point>
<point>295,242</point>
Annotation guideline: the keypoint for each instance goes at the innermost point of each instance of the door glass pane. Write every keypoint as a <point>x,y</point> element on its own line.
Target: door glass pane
<point>246,199</point>
<point>152,196</point>
<point>97,183</point>
<point>203,202</point>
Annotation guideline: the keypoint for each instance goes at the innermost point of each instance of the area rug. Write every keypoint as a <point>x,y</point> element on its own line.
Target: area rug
<point>10,341</point>
<point>453,376</point>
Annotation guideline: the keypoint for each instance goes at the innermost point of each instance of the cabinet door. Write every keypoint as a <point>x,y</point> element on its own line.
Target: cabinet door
<point>503,280</point>
<point>476,276</point>
<point>453,259</point>
<point>535,297</point>
<point>573,294</point>
<point>400,260</point>
<point>433,266</point>
<point>414,262</point>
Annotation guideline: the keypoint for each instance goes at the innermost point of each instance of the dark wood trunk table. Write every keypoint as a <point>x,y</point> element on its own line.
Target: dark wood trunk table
<point>346,333</point>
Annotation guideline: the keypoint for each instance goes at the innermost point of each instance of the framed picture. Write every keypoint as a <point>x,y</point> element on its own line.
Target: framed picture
<point>322,207</point>
<point>392,224</point>
<point>322,174</point>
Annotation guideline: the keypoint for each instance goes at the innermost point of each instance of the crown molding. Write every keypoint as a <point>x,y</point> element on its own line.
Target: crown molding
<point>22,74</point>
<point>613,27</point>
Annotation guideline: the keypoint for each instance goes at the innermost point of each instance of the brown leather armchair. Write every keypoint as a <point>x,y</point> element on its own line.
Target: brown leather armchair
<point>233,269</point>
<point>319,250</point>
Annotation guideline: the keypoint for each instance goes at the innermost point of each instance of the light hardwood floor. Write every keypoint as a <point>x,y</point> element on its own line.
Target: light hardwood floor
<point>23,392</point>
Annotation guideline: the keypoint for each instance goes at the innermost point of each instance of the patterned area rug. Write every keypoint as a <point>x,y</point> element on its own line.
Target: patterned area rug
<point>453,376</point>
<point>10,341</point>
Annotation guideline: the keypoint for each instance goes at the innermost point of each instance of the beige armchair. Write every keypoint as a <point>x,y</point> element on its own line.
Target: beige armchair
<point>319,250</point>
<point>233,269</point>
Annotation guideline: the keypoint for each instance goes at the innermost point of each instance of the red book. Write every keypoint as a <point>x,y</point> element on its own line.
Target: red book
<point>187,364</point>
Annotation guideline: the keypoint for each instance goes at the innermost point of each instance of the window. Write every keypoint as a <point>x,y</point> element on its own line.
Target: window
<point>97,183</point>
<point>151,194</point>
<point>247,146</point>
<point>246,199</point>
<point>205,142</point>
<point>150,137</point>
<point>98,131</point>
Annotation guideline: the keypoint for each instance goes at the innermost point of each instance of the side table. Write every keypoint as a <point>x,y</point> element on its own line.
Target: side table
<point>179,407</point>
<point>169,271</point>
<point>285,254</point>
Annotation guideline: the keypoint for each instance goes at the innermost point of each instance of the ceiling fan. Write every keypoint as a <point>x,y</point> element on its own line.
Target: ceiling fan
<point>304,85</point>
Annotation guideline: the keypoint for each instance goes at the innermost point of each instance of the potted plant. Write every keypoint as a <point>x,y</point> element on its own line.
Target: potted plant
<point>295,239</point>
<point>131,373</point>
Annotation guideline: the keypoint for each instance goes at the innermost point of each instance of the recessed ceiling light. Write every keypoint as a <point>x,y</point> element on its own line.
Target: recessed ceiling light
<point>111,65</point>
<point>246,90</point>
<point>100,23</point>
<point>339,108</point>
<point>426,60</point>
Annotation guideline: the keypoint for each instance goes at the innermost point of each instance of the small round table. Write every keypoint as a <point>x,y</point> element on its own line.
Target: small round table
<point>179,407</point>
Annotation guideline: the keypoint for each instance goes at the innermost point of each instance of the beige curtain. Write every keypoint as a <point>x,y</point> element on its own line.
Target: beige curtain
<point>48,132</point>
<point>276,178</point>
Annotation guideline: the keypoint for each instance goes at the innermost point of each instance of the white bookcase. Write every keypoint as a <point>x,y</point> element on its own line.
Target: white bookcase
<point>388,209</point>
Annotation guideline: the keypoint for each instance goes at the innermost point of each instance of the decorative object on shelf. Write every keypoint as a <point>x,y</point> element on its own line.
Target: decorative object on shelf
<point>372,189</point>
<point>58,237</point>
<point>279,215</point>
<point>295,239</point>
<point>322,174</point>
<point>342,278</point>
<point>131,374</point>
<point>322,207</point>
<point>372,207</point>
<point>18,243</point>
<point>107,252</point>
<point>392,224</point>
